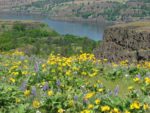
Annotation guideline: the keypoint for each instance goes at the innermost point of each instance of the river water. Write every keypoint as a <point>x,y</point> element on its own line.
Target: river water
<point>90,30</point>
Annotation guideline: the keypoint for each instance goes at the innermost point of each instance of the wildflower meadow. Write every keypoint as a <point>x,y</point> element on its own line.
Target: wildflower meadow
<point>75,84</point>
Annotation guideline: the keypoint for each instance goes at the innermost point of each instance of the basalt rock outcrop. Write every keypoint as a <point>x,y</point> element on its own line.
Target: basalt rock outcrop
<point>125,42</point>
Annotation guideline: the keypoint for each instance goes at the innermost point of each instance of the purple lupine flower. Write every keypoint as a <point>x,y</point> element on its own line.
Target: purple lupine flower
<point>33,91</point>
<point>75,98</point>
<point>58,82</point>
<point>139,76</point>
<point>45,87</point>
<point>36,67</point>
<point>24,85</point>
<point>116,90</point>
<point>22,57</point>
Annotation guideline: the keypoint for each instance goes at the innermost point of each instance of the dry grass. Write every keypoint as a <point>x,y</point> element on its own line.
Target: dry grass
<point>139,25</point>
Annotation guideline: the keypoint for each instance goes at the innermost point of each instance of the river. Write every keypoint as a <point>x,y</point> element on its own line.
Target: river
<point>90,30</point>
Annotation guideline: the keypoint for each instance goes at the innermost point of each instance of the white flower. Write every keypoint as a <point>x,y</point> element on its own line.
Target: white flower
<point>126,75</point>
<point>38,111</point>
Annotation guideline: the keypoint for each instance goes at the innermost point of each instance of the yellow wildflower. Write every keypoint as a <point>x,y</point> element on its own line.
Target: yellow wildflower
<point>90,106</point>
<point>97,101</point>
<point>60,110</point>
<point>36,104</point>
<point>71,103</point>
<point>84,73</point>
<point>145,106</point>
<point>50,93</point>
<point>27,93</point>
<point>101,90</point>
<point>17,100</point>
<point>68,73</point>
<point>136,79</point>
<point>105,60</point>
<point>12,80</point>
<point>89,95</point>
<point>135,105</point>
<point>85,111</point>
<point>130,88</point>
<point>147,80</point>
<point>115,110</point>
<point>105,108</point>
<point>24,72</point>
<point>15,73</point>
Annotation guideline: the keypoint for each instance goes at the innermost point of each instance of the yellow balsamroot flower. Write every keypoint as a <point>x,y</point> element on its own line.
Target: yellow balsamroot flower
<point>50,93</point>
<point>89,95</point>
<point>124,63</point>
<point>97,101</point>
<point>115,110</point>
<point>84,73</point>
<point>95,85</point>
<point>90,106</point>
<point>43,65</point>
<point>12,80</point>
<point>85,111</point>
<point>145,106</point>
<point>135,105</point>
<point>60,110</point>
<point>147,80</point>
<point>36,104</point>
<point>130,88</point>
<point>114,64</point>
<point>24,72</point>
<point>136,79</point>
<point>15,73</point>
<point>68,73</point>
<point>13,68</point>
<point>101,90</point>
<point>105,108</point>
<point>27,93</point>
<point>71,103</point>
<point>105,60</point>
<point>18,53</point>
<point>93,74</point>
<point>18,100</point>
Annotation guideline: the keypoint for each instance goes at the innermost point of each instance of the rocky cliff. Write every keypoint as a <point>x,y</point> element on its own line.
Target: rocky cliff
<point>126,41</point>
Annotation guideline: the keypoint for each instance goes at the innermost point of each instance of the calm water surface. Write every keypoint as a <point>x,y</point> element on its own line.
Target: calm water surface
<point>93,31</point>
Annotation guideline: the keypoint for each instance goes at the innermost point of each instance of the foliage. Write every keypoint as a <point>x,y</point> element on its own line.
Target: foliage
<point>35,38</point>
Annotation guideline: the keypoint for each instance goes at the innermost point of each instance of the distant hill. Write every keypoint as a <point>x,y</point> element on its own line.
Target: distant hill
<point>87,10</point>
<point>91,10</point>
<point>97,10</point>
<point>7,4</point>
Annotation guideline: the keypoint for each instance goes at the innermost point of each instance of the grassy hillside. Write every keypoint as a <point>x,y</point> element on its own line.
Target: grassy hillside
<point>37,38</point>
<point>95,10</point>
